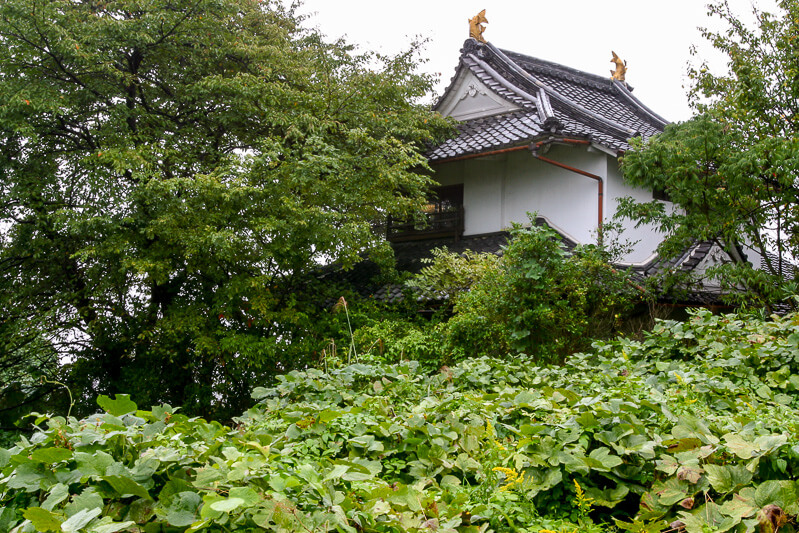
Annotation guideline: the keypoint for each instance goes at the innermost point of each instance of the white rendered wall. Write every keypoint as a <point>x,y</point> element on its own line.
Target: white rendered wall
<point>499,190</point>
<point>502,189</point>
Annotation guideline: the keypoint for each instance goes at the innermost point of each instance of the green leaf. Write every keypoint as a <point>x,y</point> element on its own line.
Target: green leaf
<point>609,497</point>
<point>43,520</point>
<point>93,464</point>
<point>87,500</point>
<point>727,478</point>
<point>107,525</point>
<point>80,519</point>
<point>51,455</point>
<point>183,508</point>
<point>774,492</point>
<point>600,459</point>
<point>121,405</point>
<point>58,493</point>
<point>5,455</point>
<point>125,486</point>
<point>227,505</point>
<point>337,471</point>
<point>246,494</point>
<point>707,517</point>
<point>742,505</point>
<point>740,446</point>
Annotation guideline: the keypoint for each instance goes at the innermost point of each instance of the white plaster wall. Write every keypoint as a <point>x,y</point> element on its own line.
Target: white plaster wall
<point>568,200</point>
<point>482,180</point>
<point>502,189</point>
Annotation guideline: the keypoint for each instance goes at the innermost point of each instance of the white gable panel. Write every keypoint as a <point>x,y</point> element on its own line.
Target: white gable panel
<point>470,98</point>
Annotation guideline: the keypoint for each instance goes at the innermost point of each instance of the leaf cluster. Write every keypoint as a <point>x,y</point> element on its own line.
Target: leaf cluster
<point>541,299</point>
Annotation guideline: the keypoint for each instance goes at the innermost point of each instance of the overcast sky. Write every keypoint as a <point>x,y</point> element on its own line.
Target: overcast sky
<point>653,36</point>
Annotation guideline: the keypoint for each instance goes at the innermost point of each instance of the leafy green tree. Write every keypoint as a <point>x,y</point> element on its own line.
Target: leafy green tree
<point>170,171</point>
<point>732,170</point>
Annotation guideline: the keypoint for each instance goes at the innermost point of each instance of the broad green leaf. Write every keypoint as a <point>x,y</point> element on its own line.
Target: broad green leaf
<point>58,494</point>
<point>107,525</point>
<point>600,459</point>
<point>5,456</point>
<point>773,492</point>
<point>768,443</point>
<point>450,480</point>
<point>30,476</point>
<point>182,510</point>
<point>681,445</point>
<point>121,405</point>
<point>80,519</point>
<point>727,478</point>
<point>407,496</point>
<point>742,505</point>
<point>740,446</point>
<point>609,497</point>
<point>227,505</point>
<point>207,476</point>
<point>124,486</point>
<point>667,464</point>
<point>93,464</point>
<point>708,517</point>
<point>764,391</point>
<point>87,500</point>
<point>337,471</point>
<point>43,520</point>
<point>51,455</point>
<point>246,494</point>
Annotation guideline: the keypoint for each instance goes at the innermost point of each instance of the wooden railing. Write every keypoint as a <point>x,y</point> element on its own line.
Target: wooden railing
<point>434,225</point>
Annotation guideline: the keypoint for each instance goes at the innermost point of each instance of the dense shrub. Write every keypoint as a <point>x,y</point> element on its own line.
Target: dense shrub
<point>541,299</point>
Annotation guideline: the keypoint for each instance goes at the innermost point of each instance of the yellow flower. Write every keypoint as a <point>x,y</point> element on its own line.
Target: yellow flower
<point>582,501</point>
<point>511,478</point>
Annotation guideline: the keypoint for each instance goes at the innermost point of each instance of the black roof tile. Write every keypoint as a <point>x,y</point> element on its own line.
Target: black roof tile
<point>577,103</point>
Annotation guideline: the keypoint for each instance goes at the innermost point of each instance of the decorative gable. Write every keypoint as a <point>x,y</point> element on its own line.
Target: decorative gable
<point>472,99</point>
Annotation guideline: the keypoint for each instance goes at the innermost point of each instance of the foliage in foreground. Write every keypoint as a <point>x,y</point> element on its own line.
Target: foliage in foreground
<point>695,427</point>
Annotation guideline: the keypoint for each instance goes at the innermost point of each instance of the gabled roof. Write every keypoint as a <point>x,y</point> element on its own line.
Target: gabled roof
<point>528,99</point>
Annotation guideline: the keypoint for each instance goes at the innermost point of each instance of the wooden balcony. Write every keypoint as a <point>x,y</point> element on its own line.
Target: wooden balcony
<point>433,226</point>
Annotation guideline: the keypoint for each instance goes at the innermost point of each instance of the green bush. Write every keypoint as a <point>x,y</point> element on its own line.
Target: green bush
<point>541,299</point>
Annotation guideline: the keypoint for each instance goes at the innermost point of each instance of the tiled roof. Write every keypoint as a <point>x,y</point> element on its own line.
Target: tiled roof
<point>554,100</point>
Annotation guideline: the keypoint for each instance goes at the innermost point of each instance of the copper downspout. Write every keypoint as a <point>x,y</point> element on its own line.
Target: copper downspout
<point>600,184</point>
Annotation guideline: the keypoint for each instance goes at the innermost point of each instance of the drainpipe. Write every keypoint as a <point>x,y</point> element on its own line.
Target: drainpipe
<point>600,183</point>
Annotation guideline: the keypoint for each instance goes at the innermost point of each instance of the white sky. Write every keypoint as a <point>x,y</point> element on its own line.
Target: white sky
<point>653,36</point>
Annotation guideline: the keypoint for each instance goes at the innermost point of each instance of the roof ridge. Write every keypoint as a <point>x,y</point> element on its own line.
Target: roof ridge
<point>620,128</point>
<point>595,80</point>
<point>608,85</point>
